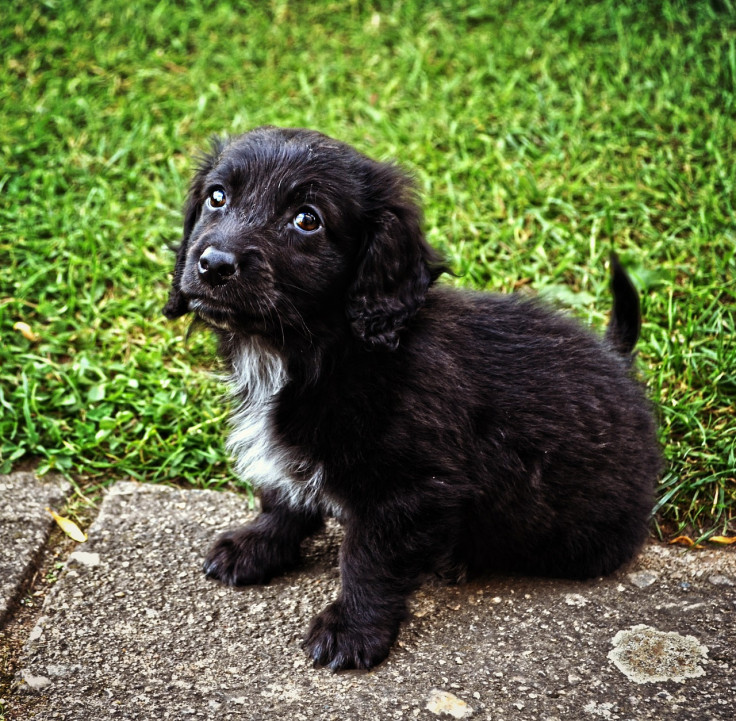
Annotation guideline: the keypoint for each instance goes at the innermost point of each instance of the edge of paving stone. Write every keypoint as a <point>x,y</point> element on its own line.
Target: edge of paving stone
<point>56,491</point>
<point>31,688</point>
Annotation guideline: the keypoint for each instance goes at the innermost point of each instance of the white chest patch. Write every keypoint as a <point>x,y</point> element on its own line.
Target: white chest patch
<point>258,376</point>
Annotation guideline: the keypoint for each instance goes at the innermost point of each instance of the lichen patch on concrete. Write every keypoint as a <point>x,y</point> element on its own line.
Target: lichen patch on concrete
<point>646,655</point>
<point>444,703</point>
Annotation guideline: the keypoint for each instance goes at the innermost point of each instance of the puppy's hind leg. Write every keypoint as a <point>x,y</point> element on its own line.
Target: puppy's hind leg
<point>264,548</point>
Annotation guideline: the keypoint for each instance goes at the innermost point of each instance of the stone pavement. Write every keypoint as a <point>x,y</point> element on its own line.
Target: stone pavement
<point>133,630</point>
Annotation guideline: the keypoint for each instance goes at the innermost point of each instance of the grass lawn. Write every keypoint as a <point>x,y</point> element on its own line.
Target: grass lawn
<point>542,135</point>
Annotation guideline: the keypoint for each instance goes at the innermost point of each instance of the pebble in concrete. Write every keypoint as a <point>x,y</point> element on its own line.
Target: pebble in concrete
<point>24,528</point>
<point>642,579</point>
<point>137,632</point>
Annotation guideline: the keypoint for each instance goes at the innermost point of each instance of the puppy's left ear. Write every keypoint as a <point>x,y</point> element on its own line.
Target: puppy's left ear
<point>177,305</point>
<point>397,265</point>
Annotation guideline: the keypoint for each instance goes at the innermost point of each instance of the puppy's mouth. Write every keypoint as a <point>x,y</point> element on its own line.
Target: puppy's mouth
<point>218,317</point>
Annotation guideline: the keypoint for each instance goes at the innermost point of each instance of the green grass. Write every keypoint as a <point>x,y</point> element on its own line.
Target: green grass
<point>541,133</point>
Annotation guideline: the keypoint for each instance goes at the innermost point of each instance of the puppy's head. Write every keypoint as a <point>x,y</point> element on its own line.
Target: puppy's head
<point>289,231</point>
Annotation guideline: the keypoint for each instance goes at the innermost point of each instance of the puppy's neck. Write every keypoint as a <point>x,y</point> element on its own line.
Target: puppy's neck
<point>257,370</point>
<point>258,374</point>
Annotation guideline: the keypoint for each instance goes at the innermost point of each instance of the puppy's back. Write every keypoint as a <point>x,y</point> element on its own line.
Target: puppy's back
<point>557,435</point>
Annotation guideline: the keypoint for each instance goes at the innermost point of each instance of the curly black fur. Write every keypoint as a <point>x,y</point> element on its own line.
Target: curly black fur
<point>450,432</point>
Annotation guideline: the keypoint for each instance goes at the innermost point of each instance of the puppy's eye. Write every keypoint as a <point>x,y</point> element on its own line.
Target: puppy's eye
<point>217,198</point>
<point>307,220</point>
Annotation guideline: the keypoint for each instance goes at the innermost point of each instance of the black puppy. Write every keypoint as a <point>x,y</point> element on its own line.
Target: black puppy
<point>450,432</point>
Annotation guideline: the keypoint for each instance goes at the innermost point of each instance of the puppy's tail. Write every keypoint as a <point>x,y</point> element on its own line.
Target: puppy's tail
<point>625,324</point>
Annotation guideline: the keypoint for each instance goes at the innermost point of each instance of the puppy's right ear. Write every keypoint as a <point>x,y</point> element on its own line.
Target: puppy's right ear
<point>177,304</point>
<point>396,266</point>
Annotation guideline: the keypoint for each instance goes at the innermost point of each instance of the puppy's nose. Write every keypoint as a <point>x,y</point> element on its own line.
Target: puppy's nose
<point>216,267</point>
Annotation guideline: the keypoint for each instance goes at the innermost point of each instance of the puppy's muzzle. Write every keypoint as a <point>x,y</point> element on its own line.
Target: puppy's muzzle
<point>216,267</point>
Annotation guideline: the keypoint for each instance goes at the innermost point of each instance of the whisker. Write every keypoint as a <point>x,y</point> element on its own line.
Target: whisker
<point>308,335</point>
<point>296,287</point>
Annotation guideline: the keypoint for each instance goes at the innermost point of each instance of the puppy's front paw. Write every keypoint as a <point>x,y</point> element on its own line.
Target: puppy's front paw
<point>246,556</point>
<point>341,641</point>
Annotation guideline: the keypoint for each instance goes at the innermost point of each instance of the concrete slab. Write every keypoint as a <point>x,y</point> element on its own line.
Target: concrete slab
<point>24,528</point>
<point>133,630</point>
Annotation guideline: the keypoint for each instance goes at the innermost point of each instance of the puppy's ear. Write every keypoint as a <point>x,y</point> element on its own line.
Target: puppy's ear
<point>177,305</point>
<point>397,265</point>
